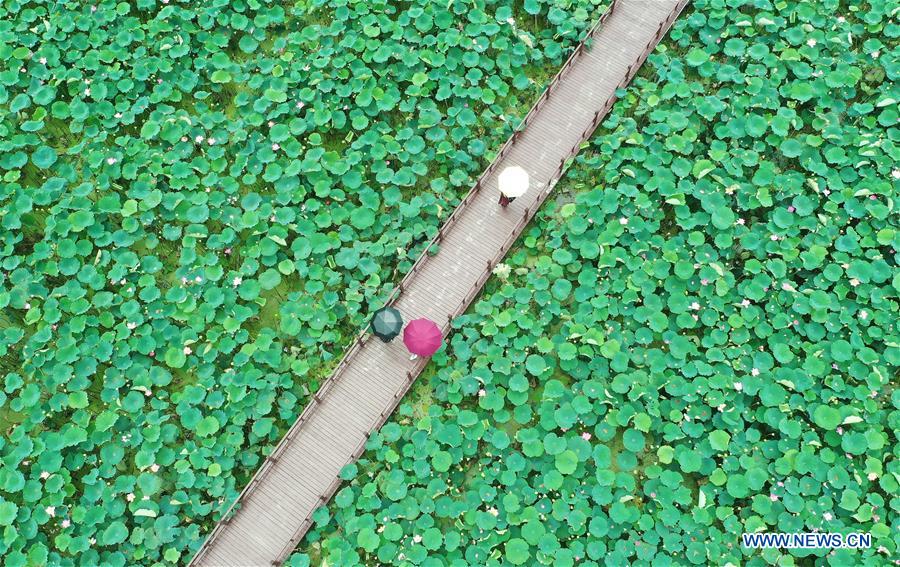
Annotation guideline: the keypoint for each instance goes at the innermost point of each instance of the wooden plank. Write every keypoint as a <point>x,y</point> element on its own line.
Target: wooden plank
<point>362,390</point>
<point>364,400</point>
<point>359,419</point>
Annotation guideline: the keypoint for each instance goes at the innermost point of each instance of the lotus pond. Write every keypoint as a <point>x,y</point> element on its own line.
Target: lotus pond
<point>200,203</point>
<point>698,338</point>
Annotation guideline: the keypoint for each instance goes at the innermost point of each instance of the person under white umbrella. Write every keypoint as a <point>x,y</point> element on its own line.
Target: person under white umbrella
<point>513,182</point>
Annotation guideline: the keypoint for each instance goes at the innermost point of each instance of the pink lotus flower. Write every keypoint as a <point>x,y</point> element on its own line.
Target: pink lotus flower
<point>586,436</point>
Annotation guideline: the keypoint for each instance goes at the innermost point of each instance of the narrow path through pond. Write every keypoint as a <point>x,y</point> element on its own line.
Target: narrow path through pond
<point>275,510</point>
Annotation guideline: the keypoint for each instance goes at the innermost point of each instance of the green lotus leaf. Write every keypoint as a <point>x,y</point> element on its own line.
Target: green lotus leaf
<point>44,157</point>
<point>8,512</point>
<point>517,551</point>
<point>175,357</point>
<point>719,440</point>
<point>115,533</point>
<point>207,426</point>
<point>826,417</point>
<point>567,462</point>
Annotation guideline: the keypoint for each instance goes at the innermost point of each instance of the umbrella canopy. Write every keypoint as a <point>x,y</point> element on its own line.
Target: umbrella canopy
<point>513,181</point>
<point>422,337</point>
<point>386,323</point>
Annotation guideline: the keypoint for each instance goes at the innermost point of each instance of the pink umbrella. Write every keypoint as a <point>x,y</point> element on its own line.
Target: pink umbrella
<point>422,337</point>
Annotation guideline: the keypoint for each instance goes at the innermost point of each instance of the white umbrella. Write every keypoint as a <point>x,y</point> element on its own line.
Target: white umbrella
<point>513,181</point>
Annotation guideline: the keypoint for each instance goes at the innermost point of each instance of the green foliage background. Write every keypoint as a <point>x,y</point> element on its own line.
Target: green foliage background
<point>190,238</point>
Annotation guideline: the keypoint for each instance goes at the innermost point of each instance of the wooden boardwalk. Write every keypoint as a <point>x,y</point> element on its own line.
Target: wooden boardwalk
<point>274,511</point>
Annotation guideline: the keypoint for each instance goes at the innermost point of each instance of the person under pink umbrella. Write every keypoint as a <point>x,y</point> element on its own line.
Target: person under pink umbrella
<point>422,337</point>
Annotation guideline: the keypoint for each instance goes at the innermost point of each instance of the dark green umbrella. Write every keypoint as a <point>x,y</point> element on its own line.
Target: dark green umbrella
<point>387,323</point>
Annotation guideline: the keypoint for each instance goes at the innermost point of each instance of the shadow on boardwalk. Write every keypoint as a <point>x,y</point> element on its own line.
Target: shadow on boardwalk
<point>275,510</point>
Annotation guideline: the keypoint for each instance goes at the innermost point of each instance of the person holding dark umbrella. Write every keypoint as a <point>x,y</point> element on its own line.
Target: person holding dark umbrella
<point>387,324</point>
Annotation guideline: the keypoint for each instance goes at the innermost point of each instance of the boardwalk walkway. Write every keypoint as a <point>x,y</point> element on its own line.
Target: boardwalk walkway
<point>274,511</point>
